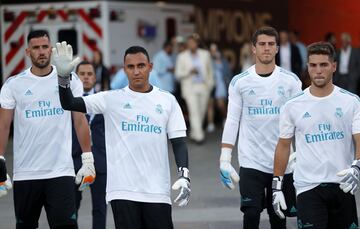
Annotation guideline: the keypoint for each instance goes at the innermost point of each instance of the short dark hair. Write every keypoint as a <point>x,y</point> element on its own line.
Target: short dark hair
<point>84,62</point>
<point>167,43</point>
<point>322,48</point>
<point>270,31</point>
<point>37,34</point>
<point>136,49</point>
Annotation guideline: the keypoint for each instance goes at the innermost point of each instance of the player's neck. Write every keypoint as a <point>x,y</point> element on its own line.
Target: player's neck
<point>41,71</point>
<point>262,69</point>
<point>321,91</point>
<point>145,89</point>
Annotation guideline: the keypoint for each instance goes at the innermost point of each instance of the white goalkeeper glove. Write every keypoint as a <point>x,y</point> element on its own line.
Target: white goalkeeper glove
<point>351,178</point>
<point>278,199</point>
<point>228,175</point>
<point>292,162</point>
<point>5,181</point>
<point>183,183</point>
<point>86,175</point>
<point>62,57</point>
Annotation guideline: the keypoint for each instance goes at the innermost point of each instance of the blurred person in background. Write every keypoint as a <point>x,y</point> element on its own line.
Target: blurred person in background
<point>102,72</point>
<point>217,100</point>
<point>164,66</point>
<point>247,58</point>
<point>331,38</point>
<point>294,39</point>
<point>288,56</point>
<point>194,70</point>
<point>86,72</point>
<point>347,75</point>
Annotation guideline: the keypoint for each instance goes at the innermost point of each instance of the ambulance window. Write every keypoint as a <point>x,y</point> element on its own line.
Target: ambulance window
<point>70,36</point>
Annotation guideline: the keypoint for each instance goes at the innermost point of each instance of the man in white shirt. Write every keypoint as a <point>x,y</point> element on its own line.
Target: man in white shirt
<point>43,167</point>
<point>288,56</point>
<point>194,71</point>
<point>324,119</point>
<point>139,119</point>
<point>255,98</point>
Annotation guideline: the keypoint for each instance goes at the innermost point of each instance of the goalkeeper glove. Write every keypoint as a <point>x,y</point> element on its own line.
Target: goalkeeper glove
<point>5,181</point>
<point>62,57</point>
<point>278,200</point>
<point>86,175</point>
<point>351,178</point>
<point>183,183</point>
<point>228,175</point>
<point>292,162</point>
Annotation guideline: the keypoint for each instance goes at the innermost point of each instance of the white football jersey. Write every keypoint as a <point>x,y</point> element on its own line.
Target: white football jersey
<point>42,129</point>
<point>323,129</point>
<point>137,126</point>
<point>253,111</point>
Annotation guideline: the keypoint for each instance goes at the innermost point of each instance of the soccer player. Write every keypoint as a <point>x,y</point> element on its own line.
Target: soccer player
<point>138,120</point>
<point>86,72</point>
<point>255,98</point>
<point>43,167</point>
<point>325,120</point>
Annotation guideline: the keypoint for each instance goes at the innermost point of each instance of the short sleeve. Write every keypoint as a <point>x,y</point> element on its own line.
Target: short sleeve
<point>7,99</point>
<point>96,103</point>
<point>286,125</point>
<point>76,85</point>
<point>356,118</point>
<point>176,126</point>
<point>296,87</point>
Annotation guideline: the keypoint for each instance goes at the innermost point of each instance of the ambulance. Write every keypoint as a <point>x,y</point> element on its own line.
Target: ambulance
<point>108,26</point>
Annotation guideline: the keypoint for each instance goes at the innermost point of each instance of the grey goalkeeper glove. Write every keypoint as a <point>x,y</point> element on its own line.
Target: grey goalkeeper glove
<point>183,183</point>
<point>62,57</point>
<point>350,178</point>
<point>278,199</point>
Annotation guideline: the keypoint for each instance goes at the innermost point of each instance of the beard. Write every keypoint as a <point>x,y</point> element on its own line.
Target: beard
<point>40,63</point>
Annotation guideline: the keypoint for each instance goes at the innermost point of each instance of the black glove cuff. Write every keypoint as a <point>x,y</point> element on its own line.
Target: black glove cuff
<point>277,183</point>
<point>356,165</point>
<point>64,82</point>
<point>3,171</point>
<point>184,173</point>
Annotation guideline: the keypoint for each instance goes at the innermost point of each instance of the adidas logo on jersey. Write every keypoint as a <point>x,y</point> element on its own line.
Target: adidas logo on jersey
<point>252,92</point>
<point>127,106</point>
<point>28,92</point>
<point>306,115</point>
<point>293,210</point>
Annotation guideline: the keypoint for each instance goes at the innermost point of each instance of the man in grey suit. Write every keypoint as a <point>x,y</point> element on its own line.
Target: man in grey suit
<point>348,66</point>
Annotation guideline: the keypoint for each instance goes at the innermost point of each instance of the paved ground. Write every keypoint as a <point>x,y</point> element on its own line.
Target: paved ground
<point>211,205</point>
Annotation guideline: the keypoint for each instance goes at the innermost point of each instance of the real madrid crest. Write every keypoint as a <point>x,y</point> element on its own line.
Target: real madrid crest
<point>338,112</point>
